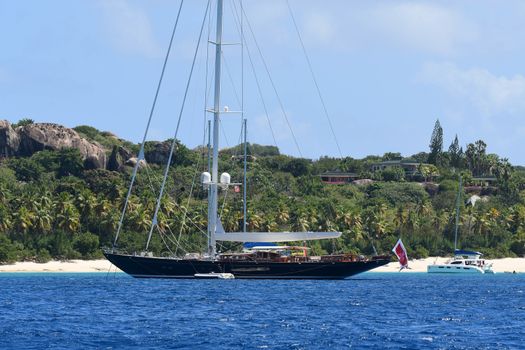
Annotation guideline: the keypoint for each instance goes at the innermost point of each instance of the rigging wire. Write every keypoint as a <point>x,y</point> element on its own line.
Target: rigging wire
<point>141,152</point>
<point>174,141</point>
<point>285,115</point>
<point>259,89</point>
<point>230,78</point>
<point>314,78</point>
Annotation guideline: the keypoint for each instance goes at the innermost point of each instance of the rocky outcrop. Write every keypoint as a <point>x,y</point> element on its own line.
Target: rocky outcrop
<point>119,157</point>
<point>363,182</point>
<point>9,140</point>
<point>158,152</point>
<point>133,161</point>
<point>31,138</point>
<point>37,137</point>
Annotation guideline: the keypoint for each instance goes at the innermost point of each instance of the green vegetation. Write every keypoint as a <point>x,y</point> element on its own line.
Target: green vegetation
<point>23,122</point>
<point>51,207</point>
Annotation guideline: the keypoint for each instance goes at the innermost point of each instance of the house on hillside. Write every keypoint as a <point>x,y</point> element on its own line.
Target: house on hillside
<point>482,185</point>
<point>336,177</point>
<point>410,166</point>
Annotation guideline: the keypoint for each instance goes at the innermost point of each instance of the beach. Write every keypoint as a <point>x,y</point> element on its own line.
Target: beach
<point>102,265</point>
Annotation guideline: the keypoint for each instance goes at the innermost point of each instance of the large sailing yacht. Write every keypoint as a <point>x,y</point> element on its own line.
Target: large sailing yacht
<point>262,258</point>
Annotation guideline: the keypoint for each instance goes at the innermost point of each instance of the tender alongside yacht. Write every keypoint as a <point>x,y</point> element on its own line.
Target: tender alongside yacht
<point>464,261</point>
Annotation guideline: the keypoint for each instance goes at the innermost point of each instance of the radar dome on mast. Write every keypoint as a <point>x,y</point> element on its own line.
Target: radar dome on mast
<point>225,179</point>
<point>205,178</point>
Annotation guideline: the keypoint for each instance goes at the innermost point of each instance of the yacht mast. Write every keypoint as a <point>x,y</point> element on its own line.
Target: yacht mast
<point>212,215</point>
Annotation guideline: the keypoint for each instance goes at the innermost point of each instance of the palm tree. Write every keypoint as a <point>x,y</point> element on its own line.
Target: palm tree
<point>85,201</point>
<point>68,219</point>
<point>23,220</point>
<point>43,220</point>
<point>6,223</point>
<point>401,218</point>
<point>254,221</point>
<point>140,220</point>
<point>269,223</point>
<point>283,215</point>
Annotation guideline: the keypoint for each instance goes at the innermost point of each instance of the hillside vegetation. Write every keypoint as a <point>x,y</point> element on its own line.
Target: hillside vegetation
<point>53,206</point>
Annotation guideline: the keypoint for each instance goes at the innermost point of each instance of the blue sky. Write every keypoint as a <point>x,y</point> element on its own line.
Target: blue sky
<point>387,71</point>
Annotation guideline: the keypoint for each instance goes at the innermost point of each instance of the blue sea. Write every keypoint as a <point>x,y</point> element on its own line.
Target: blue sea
<point>370,311</point>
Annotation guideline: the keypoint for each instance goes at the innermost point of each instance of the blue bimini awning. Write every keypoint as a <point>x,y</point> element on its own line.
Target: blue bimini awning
<point>249,245</point>
<point>466,252</point>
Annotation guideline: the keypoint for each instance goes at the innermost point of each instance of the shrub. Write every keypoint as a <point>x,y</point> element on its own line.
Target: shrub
<point>88,132</point>
<point>398,193</point>
<point>23,122</point>
<point>42,256</point>
<point>26,169</point>
<point>420,252</point>
<point>86,244</point>
<point>518,247</point>
<point>448,185</point>
<point>393,174</point>
<point>8,252</point>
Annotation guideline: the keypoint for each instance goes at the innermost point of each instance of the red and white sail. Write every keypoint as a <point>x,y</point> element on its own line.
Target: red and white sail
<point>401,253</point>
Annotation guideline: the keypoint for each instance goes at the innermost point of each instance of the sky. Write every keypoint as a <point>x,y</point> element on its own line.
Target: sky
<point>386,71</point>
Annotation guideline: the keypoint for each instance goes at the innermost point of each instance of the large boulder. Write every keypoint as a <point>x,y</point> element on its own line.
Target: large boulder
<point>119,157</point>
<point>40,136</point>
<point>9,140</point>
<point>158,152</point>
<point>133,161</point>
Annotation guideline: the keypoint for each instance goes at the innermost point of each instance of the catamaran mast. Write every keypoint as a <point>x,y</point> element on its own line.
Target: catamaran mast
<point>212,214</point>
<point>457,215</point>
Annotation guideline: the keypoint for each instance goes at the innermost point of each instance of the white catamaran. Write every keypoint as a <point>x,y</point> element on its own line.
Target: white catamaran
<point>464,261</point>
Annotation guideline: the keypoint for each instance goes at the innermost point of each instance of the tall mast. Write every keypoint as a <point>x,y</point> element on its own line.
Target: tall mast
<point>212,220</point>
<point>244,182</point>
<point>457,215</point>
<point>209,192</point>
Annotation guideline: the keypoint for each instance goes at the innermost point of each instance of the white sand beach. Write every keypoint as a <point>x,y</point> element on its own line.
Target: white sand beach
<point>417,265</point>
<point>101,265</point>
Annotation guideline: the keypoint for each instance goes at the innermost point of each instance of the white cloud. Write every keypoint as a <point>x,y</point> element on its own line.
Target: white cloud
<point>489,93</point>
<point>320,27</point>
<point>129,27</point>
<point>424,26</point>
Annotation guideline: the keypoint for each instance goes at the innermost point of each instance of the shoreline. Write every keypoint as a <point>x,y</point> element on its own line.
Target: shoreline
<point>102,265</point>
<point>80,266</point>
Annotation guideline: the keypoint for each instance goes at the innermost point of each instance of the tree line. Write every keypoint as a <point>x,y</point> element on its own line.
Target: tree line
<point>51,207</point>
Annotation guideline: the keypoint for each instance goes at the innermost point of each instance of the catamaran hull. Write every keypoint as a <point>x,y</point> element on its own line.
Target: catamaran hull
<point>454,269</point>
<point>153,267</point>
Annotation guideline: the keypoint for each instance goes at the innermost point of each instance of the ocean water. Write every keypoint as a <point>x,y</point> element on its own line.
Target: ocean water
<point>370,311</point>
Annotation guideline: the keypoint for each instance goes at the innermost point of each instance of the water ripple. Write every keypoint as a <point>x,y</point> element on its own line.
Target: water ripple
<point>387,311</point>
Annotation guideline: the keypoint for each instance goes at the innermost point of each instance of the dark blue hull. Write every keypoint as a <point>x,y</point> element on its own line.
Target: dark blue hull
<point>153,267</point>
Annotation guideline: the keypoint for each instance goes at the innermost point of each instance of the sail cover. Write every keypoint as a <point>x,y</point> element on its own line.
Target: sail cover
<point>273,236</point>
